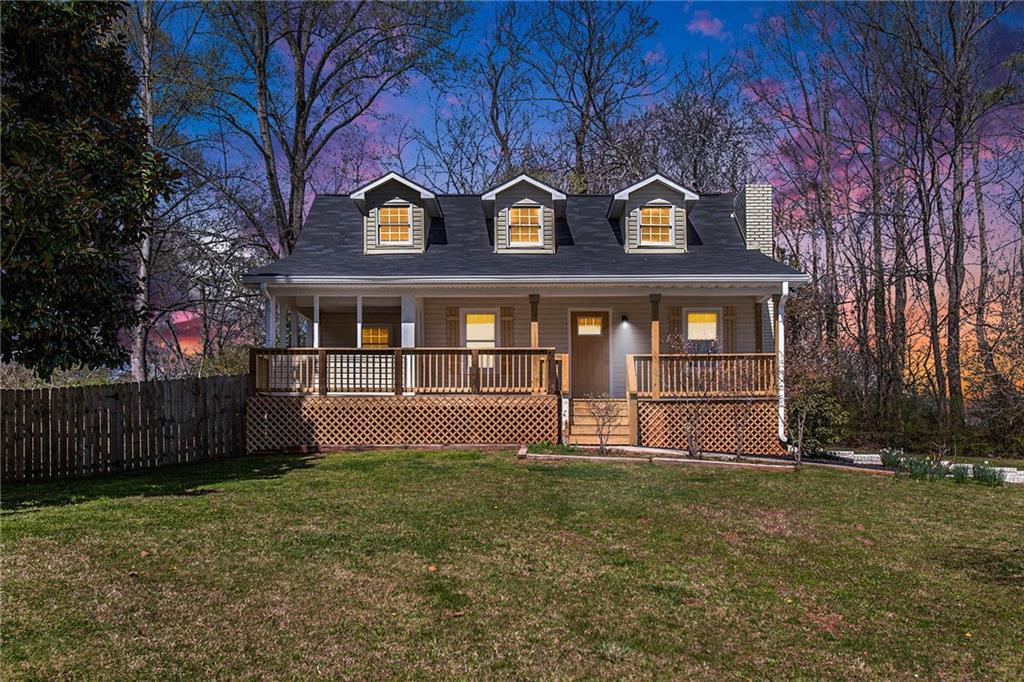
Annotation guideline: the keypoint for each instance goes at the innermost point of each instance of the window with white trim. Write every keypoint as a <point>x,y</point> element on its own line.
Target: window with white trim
<point>656,223</point>
<point>525,227</point>
<point>394,225</point>
<point>703,332</point>
<point>480,330</point>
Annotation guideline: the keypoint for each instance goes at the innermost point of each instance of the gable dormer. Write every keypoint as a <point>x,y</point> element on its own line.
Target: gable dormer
<point>524,211</point>
<point>396,215</point>
<point>653,215</point>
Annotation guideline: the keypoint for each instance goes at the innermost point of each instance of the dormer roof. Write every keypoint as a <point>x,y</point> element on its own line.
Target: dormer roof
<point>620,198</point>
<point>557,197</point>
<point>430,202</point>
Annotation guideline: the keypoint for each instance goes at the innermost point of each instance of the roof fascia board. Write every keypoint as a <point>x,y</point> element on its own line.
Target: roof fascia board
<point>620,198</point>
<point>519,280</point>
<point>429,198</point>
<point>523,177</point>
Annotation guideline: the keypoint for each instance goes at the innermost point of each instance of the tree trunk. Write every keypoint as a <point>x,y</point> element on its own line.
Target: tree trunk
<point>140,333</point>
<point>955,275</point>
<point>898,347</point>
<point>879,312</point>
<point>825,203</point>
<point>980,322</point>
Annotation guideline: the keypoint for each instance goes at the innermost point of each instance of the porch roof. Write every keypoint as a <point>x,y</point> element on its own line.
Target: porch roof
<point>460,248</point>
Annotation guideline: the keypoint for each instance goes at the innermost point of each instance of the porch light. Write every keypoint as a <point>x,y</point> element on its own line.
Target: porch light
<point>625,319</point>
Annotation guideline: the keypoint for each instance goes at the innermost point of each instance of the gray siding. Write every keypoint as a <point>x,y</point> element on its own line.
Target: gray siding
<point>633,337</point>
<point>644,196</point>
<point>510,197</point>
<point>382,195</point>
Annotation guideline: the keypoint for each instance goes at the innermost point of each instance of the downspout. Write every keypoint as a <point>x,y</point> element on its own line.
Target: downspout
<point>780,355</point>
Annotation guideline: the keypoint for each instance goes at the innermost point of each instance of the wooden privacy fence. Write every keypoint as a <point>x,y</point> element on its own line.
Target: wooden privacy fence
<point>55,433</point>
<point>400,371</point>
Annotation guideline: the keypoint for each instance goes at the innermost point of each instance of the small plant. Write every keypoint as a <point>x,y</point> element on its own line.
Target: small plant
<point>891,458</point>
<point>606,414</point>
<point>987,475</point>
<point>927,469</point>
<point>961,473</point>
<point>547,447</point>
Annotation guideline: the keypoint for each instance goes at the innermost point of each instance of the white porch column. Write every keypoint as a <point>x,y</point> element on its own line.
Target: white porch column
<point>269,304</point>
<point>282,323</point>
<point>408,321</point>
<point>780,357</point>
<point>316,321</point>
<point>295,341</point>
<point>359,321</point>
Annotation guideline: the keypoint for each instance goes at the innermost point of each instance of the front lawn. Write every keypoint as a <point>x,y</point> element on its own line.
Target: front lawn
<point>471,564</point>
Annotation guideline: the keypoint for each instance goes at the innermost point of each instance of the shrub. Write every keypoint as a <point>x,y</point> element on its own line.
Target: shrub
<point>987,475</point>
<point>824,419</point>
<point>961,473</point>
<point>891,458</point>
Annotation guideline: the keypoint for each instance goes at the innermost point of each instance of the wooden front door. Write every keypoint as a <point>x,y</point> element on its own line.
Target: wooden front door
<point>590,353</point>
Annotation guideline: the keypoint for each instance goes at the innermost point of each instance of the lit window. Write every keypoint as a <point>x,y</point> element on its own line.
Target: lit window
<point>656,225</point>
<point>376,337</point>
<point>524,226</point>
<point>482,332</point>
<point>702,331</point>
<point>393,225</point>
<point>588,325</point>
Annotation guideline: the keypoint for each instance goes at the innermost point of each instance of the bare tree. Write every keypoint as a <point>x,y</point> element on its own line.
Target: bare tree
<point>481,133</point>
<point>311,71</point>
<point>163,43</point>
<point>589,58</point>
<point>796,93</point>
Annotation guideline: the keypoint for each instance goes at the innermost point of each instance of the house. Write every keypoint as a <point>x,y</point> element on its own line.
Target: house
<point>404,316</point>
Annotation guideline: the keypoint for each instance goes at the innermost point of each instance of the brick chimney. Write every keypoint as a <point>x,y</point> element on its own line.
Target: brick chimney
<point>752,209</point>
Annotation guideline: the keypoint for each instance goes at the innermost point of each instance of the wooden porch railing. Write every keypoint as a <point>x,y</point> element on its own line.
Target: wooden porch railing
<point>745,375</point>
<point>408,370</point>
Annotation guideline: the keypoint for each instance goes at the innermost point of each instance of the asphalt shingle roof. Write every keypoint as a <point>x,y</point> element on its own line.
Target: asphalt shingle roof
<point>461,244</point>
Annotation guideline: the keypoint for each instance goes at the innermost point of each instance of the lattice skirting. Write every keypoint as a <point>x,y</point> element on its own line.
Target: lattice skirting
<point>281,422</point>
<point>663,424</point>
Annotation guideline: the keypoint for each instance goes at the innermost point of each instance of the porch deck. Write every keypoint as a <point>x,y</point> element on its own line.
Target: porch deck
<point>409,371</point>
<point>396,396</point>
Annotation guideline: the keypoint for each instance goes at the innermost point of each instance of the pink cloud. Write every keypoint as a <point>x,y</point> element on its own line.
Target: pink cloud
<point>708,26</point>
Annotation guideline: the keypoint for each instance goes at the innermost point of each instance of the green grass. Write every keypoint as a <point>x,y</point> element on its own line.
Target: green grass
<point>473,565</point>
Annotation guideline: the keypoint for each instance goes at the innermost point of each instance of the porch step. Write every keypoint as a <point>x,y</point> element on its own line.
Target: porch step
<point>583,422</point>
<point>581,439</point>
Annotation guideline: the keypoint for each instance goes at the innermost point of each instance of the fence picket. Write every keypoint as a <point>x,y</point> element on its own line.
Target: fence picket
<point>55,433</point>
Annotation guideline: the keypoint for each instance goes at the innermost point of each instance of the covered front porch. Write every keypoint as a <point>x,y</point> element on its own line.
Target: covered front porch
<point>565,349</point>
<point>590,333</point>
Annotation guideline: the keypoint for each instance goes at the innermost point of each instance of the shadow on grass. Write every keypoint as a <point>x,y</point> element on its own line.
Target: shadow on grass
<point>176,480</point>
<point>1002,565</point>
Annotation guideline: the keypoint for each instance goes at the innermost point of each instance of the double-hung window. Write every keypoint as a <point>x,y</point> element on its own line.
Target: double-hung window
<point>394,225</point>
<point>656,225</point>
<point>702,331</point>
<point>480,330</point>
<point>524,226</point>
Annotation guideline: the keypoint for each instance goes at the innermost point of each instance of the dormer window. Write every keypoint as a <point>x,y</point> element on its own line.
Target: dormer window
<point>394,225</point>
<point>656,222</point>
<point>525,226</point>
